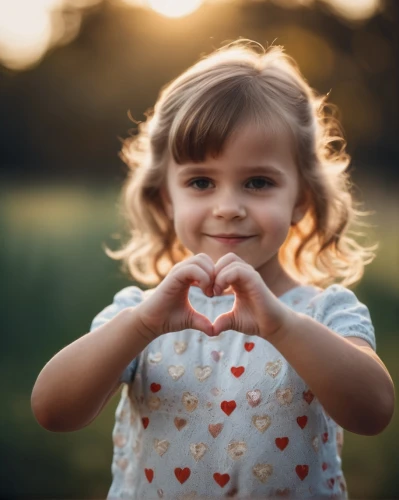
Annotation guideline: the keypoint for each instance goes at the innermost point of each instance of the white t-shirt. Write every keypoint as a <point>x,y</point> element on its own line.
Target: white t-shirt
<point>204,417</point>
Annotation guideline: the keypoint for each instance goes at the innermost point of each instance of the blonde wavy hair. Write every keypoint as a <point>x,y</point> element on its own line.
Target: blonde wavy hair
<point>194,116</point>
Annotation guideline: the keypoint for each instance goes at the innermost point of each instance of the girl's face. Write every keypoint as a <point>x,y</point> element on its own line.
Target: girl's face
<point>243,202</point>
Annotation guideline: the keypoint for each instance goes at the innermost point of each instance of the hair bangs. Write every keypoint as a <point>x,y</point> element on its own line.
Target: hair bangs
<point>203,125</point>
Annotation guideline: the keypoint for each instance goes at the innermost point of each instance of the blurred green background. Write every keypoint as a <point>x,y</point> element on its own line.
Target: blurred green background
<point>70,72</point>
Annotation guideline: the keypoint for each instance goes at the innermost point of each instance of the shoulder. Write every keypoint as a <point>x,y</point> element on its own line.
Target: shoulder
<point>339,308</point>
<point>130,296</point>
<point>333,298</point>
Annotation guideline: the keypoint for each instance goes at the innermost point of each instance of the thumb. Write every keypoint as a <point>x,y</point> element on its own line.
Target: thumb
<point>201,323</point>
<point>222,323</point>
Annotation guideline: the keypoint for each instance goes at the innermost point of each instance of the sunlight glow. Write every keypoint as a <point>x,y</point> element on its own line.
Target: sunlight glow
<point>355,10</point>
<point>174,8</point>
<point>28,28</point>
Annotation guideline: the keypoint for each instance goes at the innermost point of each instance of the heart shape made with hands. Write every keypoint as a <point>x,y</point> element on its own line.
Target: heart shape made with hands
<point>255,308</point>
<point>221,323</point>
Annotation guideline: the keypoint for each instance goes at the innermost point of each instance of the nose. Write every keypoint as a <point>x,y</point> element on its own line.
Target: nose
<point>228,205</point>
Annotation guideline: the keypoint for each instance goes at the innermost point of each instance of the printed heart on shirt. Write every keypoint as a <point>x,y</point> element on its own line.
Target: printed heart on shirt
<point>282,443</point>
<point>324,437</point>
<point>180,423</point>
<point>237,371</point>
<point>228,407</point>
<point>176,371</point>
<point>302,471</point>
<point>215,429</point>
<point>182,474</point>
<point>155,358</point>
<point>248,346</point>
<point>254,397</point>
<point>216,355</point>
<point>189,401</point>
<point>221,479</point>
<point>284,396</point>
<point>215,391</point>
<point>161,446</point>
<point>236,449</point>
<point>308,396</point>
<point>330,483</point>
<point>180,347</point>
<point>324,466</point>
<point>263,472</point>
<point>149,474</point>
<point>283,492</point>
<point>155,387</point>
<point>198,450</point>
<point>153,403</point>
<point>202,372</point>
<point>261,422</point>
<point>119,440</point>
<point>302,421</point>
<point>145,421</point>
<point>273,368</point>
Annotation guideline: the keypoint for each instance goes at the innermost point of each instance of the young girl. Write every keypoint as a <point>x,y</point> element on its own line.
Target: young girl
<point>245,363</point>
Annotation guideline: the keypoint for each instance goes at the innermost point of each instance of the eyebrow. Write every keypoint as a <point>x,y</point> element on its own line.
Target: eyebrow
<point>202,170</point>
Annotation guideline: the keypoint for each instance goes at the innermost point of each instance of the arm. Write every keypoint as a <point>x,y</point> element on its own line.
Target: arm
<point>348,378</point>
<point>76,383</point>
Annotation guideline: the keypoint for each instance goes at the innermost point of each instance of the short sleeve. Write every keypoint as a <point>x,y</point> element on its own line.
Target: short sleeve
<point>339,309</point>
<point>128,297</point>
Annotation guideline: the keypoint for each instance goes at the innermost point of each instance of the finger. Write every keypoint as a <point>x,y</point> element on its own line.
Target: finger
<point>193,274</point>
<point>226,260</point>
<point>222,323</point>
<point>237,275</point>
<point>200,322</point>
<point>204,262</point>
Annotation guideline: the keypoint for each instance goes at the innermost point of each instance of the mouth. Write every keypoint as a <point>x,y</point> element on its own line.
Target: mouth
<point>230,238</point>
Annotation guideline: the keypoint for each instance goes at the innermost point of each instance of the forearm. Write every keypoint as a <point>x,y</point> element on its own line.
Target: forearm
<point>73,386</point>
<point>353,387</point>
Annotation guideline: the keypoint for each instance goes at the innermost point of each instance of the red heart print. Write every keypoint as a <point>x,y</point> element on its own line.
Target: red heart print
<point>308,396</point>
<point>228,407</point>
<point>324,437</point>
<point>149,474</point>
<point>182,474</point>
<point>330,483</point>
<point>221,479</point>
<point>155,387</point>
<point>145,421</point>
<point>249,346</point>
<point>302,421</point>
<point>302,471</point>
<point>282,443</point>
<point>324,466</point>
<point>215,429</point>
<point>237,371</point>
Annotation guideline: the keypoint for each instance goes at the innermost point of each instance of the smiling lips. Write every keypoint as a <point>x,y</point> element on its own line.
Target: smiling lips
<point>230,239</point>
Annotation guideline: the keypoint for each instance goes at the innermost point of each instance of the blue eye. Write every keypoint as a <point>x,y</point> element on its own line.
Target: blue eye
<point>259,183</point>
<point>200,184</point>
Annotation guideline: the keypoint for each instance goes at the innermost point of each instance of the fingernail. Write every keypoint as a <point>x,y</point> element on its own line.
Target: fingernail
<point>217,290</point>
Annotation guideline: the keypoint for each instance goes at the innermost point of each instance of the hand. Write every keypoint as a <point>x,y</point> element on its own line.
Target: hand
<point>256,310</point>
<point>168,309</point>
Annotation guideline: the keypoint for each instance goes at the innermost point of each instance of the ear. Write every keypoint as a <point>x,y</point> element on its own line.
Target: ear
<point>166,202</point>
<point>300,208</point>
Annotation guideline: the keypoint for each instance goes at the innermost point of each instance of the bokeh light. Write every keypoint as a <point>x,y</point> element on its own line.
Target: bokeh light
<point>355,10</point>
<point>174,8</point>
<point>29,28</point>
